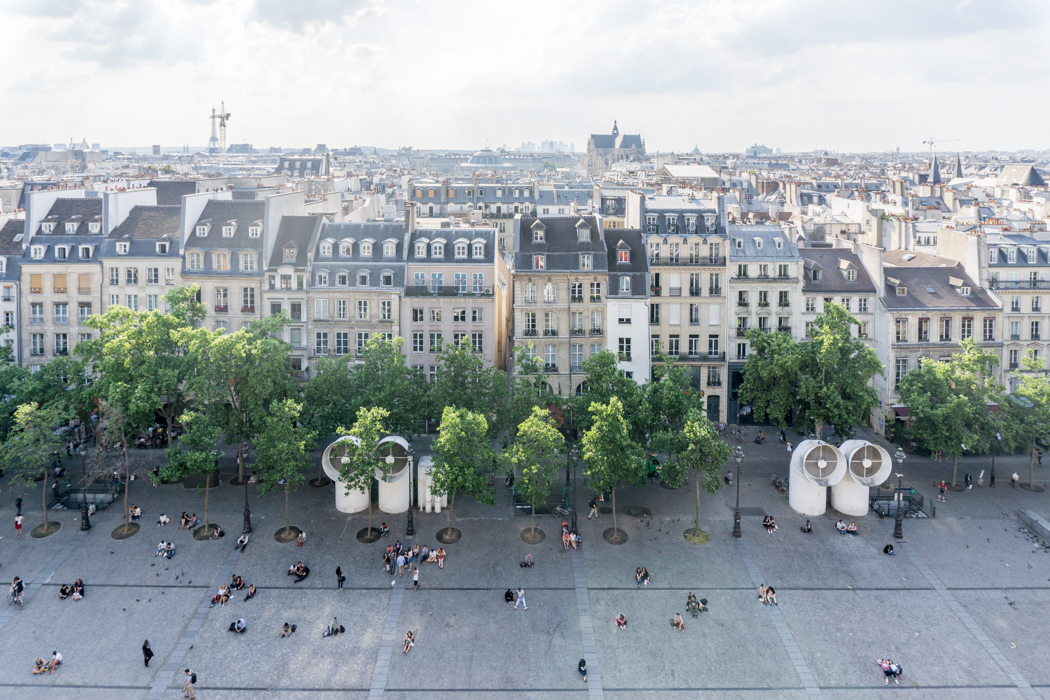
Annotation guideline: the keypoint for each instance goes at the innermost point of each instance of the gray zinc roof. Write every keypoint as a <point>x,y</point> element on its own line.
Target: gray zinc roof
<point>934,288</point>
<point>637,266</point>
<point>560,242</point>
<point>834,262</point>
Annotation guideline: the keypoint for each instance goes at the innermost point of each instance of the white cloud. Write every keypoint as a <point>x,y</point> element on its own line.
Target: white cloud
<point>720,74</point>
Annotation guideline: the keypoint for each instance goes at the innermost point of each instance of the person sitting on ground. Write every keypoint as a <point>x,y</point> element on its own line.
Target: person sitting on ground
<point>224,595</point>
<point>194,522</point>
<point>253,478</point>
<point>692,605</point>
<point>582,668</point>
<point>762,593</point>
<point>645,576</point>
<point>841,527</point>
<point>852,529</point>
<point>242,542</point>
<point>184,522</point>
<point>135,512</point>
<point>509,596</point>
<point>301,539</point>
<point>217,532</point>
<point>237,583</point>
<point>39,666</point>
<point>565,538</point>
<point>771,595</point>
<point>888,549</point>
<point>251,592</point>
<point>64,592</point>
<point>333,629</point>
<point>441,558</point>
<point>300,571</point>
<point>160,548</point>
<point>410,641</point>
<point>78,589</point>
<point>55,662</point>
<point>286,630</point>
<point>678,623</point>
<point>572,539</point>
<point>433,556</point>
<point>527,564</point>
<point>424,554</point>
<point>162,520</point>
<point>621,621</point>
<point>239,627</point>
<point>414,556</point>
<point>637,575</point>
<point>384,528</point>
<point>807,528</point>
<point>169,550</point>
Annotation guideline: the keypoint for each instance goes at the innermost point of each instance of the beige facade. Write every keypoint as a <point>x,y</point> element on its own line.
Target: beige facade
<point>57,299</point>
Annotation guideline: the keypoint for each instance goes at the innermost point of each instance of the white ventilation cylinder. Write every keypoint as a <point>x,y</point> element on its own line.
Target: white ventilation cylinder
<point>867,465</point>
<point>353,502</point>
<point>815,465</point>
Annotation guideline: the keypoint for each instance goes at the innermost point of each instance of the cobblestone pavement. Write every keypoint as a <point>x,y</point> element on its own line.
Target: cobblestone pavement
<point>963,606</point>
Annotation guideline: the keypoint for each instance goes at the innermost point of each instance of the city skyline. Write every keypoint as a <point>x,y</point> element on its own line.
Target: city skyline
<point>795,76</point>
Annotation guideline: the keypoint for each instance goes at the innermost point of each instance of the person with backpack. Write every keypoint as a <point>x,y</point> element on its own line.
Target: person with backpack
<point>191,680</point>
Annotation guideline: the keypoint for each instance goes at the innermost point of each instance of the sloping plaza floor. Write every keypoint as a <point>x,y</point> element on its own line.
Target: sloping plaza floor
<point>963,606</point>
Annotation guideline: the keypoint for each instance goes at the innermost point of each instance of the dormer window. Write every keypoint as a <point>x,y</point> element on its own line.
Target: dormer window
<point>739,243</point>
<point>817,275</point>
<point>362,279</point>
<point>470,192</point>
<point>94,227</point>
<point>387,279</point>
<point>461,250</point>
<point>583,234</point>
<point>220,261</point>
<point>539,262</point>
<point>479,250</point>
<point>1011,255</point>
<point>71,227</point>
<point>366,250</point>
<point>538,235</point>
<point>322,279</point>
<point>758,243</point>
<point>437,250</point>
<point>326,249</point>
<point>37,252</point>
<point>47,227</point>
<point>289,255</point>
<point>993,255</point>
<point>85,252</point>
<point>254,231</point>
<point>389,250</point>
<point>227,231</point>
<point>345,248</point>
<point>623,256</point>
<point>902,291</point>
<point>779,243</point>
<point>162,248</point>
<point>965,291</point>
<point>499,193</point>
<point>851,275</point>
<point>194,261</point>
<point>342,279</point>
<point>451,193</point>
<point>421,250</point>
<point>61,252</point>
<point>123,247</point>
<point>202,231</point>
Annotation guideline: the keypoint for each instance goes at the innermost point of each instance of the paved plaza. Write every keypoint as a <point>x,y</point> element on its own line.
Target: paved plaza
<point>963,606</point>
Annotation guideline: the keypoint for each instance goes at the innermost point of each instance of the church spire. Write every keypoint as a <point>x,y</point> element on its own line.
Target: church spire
<point>616,129</point>
<point>935,172</point>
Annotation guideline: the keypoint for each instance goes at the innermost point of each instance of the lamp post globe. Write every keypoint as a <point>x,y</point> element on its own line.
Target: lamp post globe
<point>738,457</point>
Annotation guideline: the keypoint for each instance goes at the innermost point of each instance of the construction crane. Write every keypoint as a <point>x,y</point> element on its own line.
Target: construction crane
<point>221,119</point>
<point>930,142</point>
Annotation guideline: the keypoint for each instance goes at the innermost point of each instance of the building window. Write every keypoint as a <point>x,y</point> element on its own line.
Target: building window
<point>254,231</point>
<point>550,293</point>
<point>342,342</point>
<point>435,342</point>
<point>326,249</point>
<point>227,231</point>
<point>851,275</point>
<point>132,302</point>
<point>366,250</point>
<point>989,329</point>
<point>550,358</point>
<point>966,328</point>
<point>625,284</point>
<point>131,275</point>
<point>247,262</point>
<point>202,231</point>
<point>901,370</point>
<point>386,310</point>
<point>362,341</point>
<point>539,262</point>
<point>122,248</point>
<point>1013,359</point>
<point>902,330</point>
<point>946,330</point>
<point>1035,330</point>
<point>321,343</point>
<point>924,330</point>
<point>437,281</point>
<point>862,305</point>
<point>459,279</point>
<point>624,346</point>
<point>220,261</point>
<point>341,309</point>
<point>437,250</point>
<point>623,256</point>
<point>389,250</point>
<point>417,343</point>
<point>654,314</point>
<point>477,340</point>
<point>362,310</point>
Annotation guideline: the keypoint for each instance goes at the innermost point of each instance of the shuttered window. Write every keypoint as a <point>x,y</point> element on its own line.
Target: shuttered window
<point>60,284</point>
<point>36,284</point>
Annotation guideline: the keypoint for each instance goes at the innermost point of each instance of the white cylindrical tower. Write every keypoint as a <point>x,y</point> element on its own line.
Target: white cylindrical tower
<point>867,465</point>
<point>353,502</point>
<point>394,478</point>
<point>815,465</point>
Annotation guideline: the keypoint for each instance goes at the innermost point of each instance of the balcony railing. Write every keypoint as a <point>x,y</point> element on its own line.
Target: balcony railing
<point>529,332</point>
<point>784,329</point>
<point>36,320</point>
<point>221,309</point>
<point>1015,336</point>
<point>654,290</point>
<point>596,298</point>
<point>714,291</point>
<point>741,332</point>
<point>248,309</point>
<point>763,304</point>
<point>578,331</point>
<point>714,356</point>
<point>576,299</point>
<point>743,304</point>
<point>1015,309</point>
<point>1035,336</point>
<point>596,331</point>
<point>550,332</point>
<point>714,382</point>
<point>1013,365</point>
<point>946,339</point>
<point>624,356</point>
<point>784,304</point>
<point>674,291</point>
<point>550,300</point>
<point>694,291</point>
<point>1024,284</point>
<point>61,320</point>
<point>550,367</point>
<point>449,291</point>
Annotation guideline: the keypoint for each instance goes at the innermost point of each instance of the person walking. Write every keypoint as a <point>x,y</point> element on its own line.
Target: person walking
<point>339,578</point>
<point>18,525</point>
<point>415,578</point>
<point>147,652</point>
<point>520,598</point>
<point>969,481</point>
<point>941,489</point>
<point>18,505</point>
<point>582,668</point>
<point>191,679</point>
<point>593,505</point>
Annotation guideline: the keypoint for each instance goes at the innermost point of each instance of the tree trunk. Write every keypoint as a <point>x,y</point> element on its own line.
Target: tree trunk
<point>955,469</point>
<point>240,461</point>
<point>127,483</point>
<point>533,534</point>
<point>287,519</point>
<point>698,502</point>
<point>45,500</point>
<point>819,429</point>
<point>370,512</point>
<point>207,491</point>
<point>616,531</point>
<point>169,418</point>
<point>1031,465</point>
<point>451,505</point>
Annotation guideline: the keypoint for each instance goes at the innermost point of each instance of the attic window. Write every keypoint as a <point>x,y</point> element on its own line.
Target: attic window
<point>122,248</point>
<point>816,275</point>
<point>851,275</point>
<point>254,231</point>
<point>71,228</point>
<point>289,255</point>
<point>479,250</point>
<point>780,243</point>
<point>326,249</point>
<point>94,227</point>
<point>389,250</point>
<point>461,250</point>
<point>583,234</point>
<point>366,249</point>
<point>227,231</point>
<point>387,279</point>
<point>85,252</point>
<point>421,250</point>
<point>344,248</point>
<point>758,243</point>
<point>538,235</point>
<point>47,228</point>
<point>162,248</point>
<point>37,252</point>
<point>61,252</point>
<point>623,256</point>
<point>202,231</point>
<point>965,291</point>
<point>739,244</point>
<point>902,291</point>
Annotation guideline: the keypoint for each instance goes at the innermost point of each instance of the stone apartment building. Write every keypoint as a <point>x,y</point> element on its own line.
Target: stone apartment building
<point>456,290</point>
<point>933,305</point>
<point>1018,274</point>
<point>61,279</point>
<point>765,291</point>
<point>10,258</point>
<point>223,254</point>
<point>561,278</point>
<point>627,302</point>
<point>687,305</point>
<point>141,258</point>
<point>286,287</point>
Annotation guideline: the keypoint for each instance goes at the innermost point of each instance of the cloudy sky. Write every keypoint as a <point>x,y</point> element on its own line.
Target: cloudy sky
<point>720,74</point>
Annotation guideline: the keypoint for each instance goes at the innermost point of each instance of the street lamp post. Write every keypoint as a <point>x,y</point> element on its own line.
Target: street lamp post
<point>898,519</point>
<point>738,456</point>
<point>85,521</point>
<point>574,454</point>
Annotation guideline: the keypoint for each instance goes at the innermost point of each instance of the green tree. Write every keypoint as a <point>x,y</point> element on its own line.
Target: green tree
<point>239,375</point>
<point>462,458</point>
<point>193,455</point>
<point>362,456</point>
<point>12,379</point>
<point>330,397</point>
<point>281,452</point>
<point>611,457</point>
<point>605,380</point>
<point>703,453</point>
<point>383,379</point>
<point>1031,414</point>
<point>670,397</point>
<point>535,454</point>
<point>463,381</point>
<point>32,445</point>
<point>140,360</point>
<point>531,389</point>
<point>825,379</point>
<point>941,418</point>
